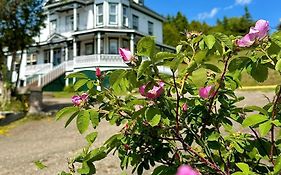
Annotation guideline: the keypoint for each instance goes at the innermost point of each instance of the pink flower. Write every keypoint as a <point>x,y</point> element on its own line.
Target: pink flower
<point>258,32</point>
<point>98,72</point>
<point>153,93</point>
<point>186,170</point>
<point>126,55</point>
<point>84,96</point>
<point>184,107</point>
<point>206,92</point>
<point>76,100</point>
<point>263,27</point>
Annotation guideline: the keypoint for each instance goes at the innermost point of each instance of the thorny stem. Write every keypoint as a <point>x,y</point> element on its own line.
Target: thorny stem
<point>188,148</point>
<point>178,103</point>
<point>274,112</point>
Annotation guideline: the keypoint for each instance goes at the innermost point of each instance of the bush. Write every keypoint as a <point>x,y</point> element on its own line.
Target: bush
<point>172,123</point>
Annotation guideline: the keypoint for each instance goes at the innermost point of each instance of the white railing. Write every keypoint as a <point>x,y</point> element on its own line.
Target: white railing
<point>98,60</point>
<point>52,75</point>
<point>69,65</point>
<point>37,69</point>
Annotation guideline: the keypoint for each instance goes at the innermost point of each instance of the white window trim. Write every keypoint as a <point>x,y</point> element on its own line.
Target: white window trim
<point>98,23</point>
<point>137,17</point>
<point>116,14</point>
<point>126,16</point>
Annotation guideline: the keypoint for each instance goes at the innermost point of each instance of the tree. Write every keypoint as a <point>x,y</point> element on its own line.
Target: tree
<point>20,22</point>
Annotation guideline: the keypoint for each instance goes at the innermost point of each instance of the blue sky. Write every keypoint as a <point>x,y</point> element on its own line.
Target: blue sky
<point>211,10</point>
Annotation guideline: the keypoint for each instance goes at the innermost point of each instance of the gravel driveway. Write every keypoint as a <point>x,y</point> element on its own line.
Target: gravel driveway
<point>47,140</point>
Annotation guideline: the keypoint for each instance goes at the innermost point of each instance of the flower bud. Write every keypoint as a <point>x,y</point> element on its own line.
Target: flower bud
<point>98,72</point>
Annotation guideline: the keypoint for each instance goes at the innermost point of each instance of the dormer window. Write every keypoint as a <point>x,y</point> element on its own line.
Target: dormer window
<point>113,13</point>
<point>53,26</point>
<point>99,14</point>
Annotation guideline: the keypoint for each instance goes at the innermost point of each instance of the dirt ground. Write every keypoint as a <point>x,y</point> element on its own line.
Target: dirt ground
<point>48,141</point>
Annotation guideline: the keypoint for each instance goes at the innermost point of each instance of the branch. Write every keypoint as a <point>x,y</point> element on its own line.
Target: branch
<point>178,103</point>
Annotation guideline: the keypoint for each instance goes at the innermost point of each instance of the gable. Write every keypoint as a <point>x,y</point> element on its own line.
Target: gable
<point>56,38</point>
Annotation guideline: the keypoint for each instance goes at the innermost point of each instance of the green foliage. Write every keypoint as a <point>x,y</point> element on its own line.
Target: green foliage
<point>158,133</point>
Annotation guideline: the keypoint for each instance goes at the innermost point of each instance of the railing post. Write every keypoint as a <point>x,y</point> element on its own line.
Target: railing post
<point>39,80</point>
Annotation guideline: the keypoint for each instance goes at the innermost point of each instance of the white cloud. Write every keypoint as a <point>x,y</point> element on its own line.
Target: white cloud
<point>242,2</point>
<point>210,14</point>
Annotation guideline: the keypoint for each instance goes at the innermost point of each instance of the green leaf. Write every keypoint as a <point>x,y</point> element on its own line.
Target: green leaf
<point>258,71</point>
<point>238,173</point>
<point>224,39</point>
<point>85,169</point>
<point>200,56</point>
<point>264,128</point>
<point>160,170</point>
<point>212,67</point>
<point>178,48</point>
<point>143,67</point>
<point>153,116</point>
<point>91,137</point>
<point>164,55</point>
<point>278,65</point>
<point>277,167</point>
<point>39,164</point>
<point>254,119</point>
<point>97,154</point>
<point>256,108</point>
<point>238,63</point>
<point>210,40</point>
<point>66,112</point>
<point>83,121</point>
<point>94,117</point>
<point>146,46</point>
<point>80,83</point>
<point>77,75</point>
<point>70,119</point>
<point>243,167</point>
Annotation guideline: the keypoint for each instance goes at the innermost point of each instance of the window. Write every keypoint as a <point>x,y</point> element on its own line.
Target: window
<point>125,16</point>
<point>69,23</point>
<point>89,48</point>
<point>141,2</point>
<point>31,59</point>
<point>113,13</point>
<point>46,56</point>
<point>99,14</point>
<point>150,28</point>
<point>53,26</point>
<point>135,22</point>
<point>113,46</point>
<point>125,43</point>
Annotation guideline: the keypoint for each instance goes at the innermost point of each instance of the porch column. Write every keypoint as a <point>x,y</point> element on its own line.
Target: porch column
<point>48,23</point>
<point>52,56</point>
<point>74,48</point>
<point>75,17</point>
<point>132,46</point>
<point>66,81</point>
<point>66,53</point>
<point>99,45</point>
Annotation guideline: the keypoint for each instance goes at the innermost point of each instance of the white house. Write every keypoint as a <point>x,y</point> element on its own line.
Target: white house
<point>84,34</point>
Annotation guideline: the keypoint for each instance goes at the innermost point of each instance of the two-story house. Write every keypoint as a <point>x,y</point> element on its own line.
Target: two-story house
<point>80,35</point>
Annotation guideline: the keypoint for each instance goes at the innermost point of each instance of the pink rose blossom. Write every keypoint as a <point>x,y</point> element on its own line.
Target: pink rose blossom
<point>186,170</point>
<point>98,72</point>
<point>184,107</point>
<point>78,100</point>
<point>206,92</point>
<point>126,55</point>
<point>153,93</point>
<point>258,32</point>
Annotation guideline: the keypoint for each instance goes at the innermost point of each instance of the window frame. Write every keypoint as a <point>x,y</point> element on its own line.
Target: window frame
<point>69,20</point>
<point>135,21</point>
<point>113,14</point>
<point>91,44</point>
<point>109,48</point>
<point>99,14</point>
<point>125,18</point>
<point>150,27</point>
<point>52,28</point>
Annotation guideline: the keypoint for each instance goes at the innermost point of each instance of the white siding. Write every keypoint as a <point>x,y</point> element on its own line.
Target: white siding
<point>143,25</point>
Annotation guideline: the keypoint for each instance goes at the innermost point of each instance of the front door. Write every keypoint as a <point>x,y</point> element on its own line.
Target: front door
<point>57,57</point>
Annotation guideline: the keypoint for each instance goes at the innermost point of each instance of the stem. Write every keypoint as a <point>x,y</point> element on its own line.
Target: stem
<point>188,148</point>
<point>178,103</point>
<point>274,113</point>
